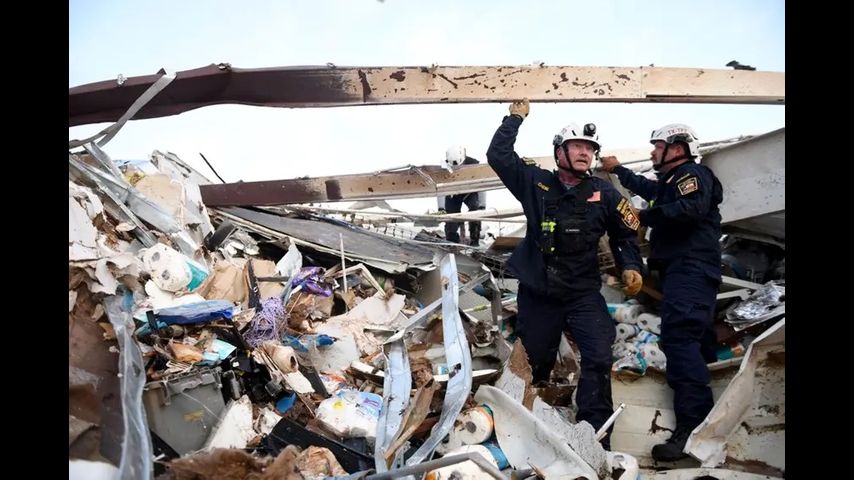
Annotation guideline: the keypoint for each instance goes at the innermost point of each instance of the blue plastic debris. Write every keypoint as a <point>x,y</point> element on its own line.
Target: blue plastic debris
<point>196,312</point>
<point>301,344</point>
<point>285,403</point>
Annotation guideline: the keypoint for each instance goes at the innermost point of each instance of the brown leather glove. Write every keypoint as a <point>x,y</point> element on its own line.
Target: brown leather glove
<point>633,282</point>
<point>608,163</point>
<point>520,107</point>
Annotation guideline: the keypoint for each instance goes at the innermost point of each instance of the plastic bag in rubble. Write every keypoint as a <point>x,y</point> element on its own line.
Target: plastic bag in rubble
<point>310,278</point>
<point>654,356</point>
<point>633,363</point>
<point>196,312</point>
<point>351,413</point>
<point>760,303</point>
<point>301,344</point>
<point>290,264</point>
<point>623,349</point>
<point>135,462</point>
<point>332,382</point>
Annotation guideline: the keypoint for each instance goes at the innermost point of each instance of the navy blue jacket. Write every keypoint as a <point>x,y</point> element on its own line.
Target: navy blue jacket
<point>608,212</point>
<point>683,213</point>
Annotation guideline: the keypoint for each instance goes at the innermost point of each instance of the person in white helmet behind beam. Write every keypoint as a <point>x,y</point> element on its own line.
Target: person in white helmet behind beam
<point>454,157</point>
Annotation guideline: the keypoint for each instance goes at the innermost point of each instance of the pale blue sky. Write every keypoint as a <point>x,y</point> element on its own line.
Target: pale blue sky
<point>108,38</point>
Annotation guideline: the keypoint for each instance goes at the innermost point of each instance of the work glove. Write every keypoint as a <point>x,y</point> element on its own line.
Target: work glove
<point>520,107</point>
<point>608,163</point>
<point>633,282</point>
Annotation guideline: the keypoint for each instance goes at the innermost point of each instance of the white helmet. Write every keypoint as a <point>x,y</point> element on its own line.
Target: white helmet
<point>572,132</point>
<point>677,132</point>
<point>454,156</point>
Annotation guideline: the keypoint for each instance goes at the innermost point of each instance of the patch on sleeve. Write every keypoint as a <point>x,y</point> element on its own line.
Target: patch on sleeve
<point>529,161</point>
<point>627,215</point>
<point>690,184</point>
<point>543,186</point>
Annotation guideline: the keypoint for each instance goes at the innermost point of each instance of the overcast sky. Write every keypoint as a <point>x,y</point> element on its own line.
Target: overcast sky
<point>109,38</point>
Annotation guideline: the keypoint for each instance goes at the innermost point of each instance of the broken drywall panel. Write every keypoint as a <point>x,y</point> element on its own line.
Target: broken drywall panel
<point>194,213</point>
<point>529,442</point>
<point>753,404</point>
<point>82,235</point>
<point>164,191</point>
<point>581,436</point>
<point>87,198</point>
<point>172,165</point>
<point>515,379</point>
<point>335,358</point>
<point>376,312</point>
<point>134,206</point>
<point>235,428</point>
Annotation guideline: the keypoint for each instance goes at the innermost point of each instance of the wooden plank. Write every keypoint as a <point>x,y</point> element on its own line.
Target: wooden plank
<point>330,86</point>
<point>498,84</point>
<point>699,85</point>
<point>411,182</point>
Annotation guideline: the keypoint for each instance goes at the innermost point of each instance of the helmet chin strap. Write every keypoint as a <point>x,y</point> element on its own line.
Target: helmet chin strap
<point>574,172</point>
<point>658,166</point>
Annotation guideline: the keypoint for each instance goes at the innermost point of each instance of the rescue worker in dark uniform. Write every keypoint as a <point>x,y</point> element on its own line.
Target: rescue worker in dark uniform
<point>685,250</point>
<point>454,157</point>
<point>567,211</point>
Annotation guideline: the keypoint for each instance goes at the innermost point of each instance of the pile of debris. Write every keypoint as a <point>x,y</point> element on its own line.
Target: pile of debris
<point>279,343</point>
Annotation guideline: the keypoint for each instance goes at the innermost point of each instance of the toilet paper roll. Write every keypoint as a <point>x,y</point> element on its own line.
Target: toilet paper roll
<point>475,426</point>
<point>650,322</point>
<point>167,267</point>
<point>626,313</point>
<point>646,337</point>
<point>626,331</point>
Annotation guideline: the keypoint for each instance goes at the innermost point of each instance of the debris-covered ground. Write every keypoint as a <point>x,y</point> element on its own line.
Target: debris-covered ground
<point>295,343</point>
